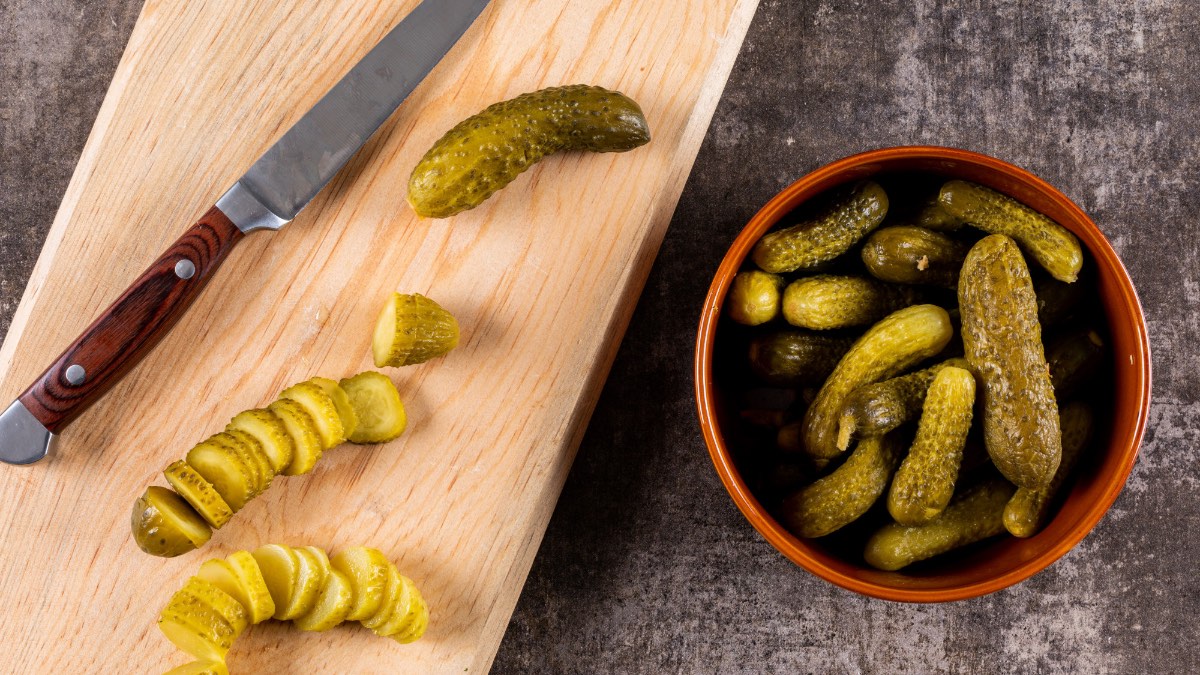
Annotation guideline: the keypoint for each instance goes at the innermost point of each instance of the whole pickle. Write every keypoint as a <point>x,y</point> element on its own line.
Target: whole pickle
<point>847,220</point>
<point>754,297</point>
<point>796,358</point>
<point>875,409</point>
<point>901,340</point>
<point>826,301</point>
<point>913,255</point>
<point>1026,512</point>
<point>974,515</point>
<point>925,480</point>
<point>1073,358</point>
<point>934,217</point>
<point>487,151</point>
<point>1003,342</point>
<point>1051,244</point>
<point>841,497</point>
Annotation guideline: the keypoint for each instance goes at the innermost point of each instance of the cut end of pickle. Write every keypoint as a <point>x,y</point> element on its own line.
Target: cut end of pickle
<point>306,442</point>
<point>258,601</point>
<point>367,569</point>
<point>412,329</point>
<point>199,493</point>
<point>341,401</point>
<point>271,434</point>
<point>165,525</point>
<point>280,567</point>
<point>333,604</point>
<point>321,409</point>
<point>225,469</point>
<point>381,415</point>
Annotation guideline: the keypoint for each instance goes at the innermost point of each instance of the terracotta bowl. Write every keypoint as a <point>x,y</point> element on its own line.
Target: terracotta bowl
<point>1001,562</point>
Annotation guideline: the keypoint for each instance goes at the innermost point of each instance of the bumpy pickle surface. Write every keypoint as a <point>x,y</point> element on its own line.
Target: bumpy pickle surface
<point>828,301</point>
<point>1028,510</point>
<point>848,219</point>
<point>796,358</point>
<point>875,409</point>
<point>841,497</point>
<point>913,255</point>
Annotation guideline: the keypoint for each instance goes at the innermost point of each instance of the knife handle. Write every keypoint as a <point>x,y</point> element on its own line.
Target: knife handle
<point>130,328</point>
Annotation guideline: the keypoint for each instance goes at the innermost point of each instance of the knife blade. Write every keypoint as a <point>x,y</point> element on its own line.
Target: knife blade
<point>270,195</point>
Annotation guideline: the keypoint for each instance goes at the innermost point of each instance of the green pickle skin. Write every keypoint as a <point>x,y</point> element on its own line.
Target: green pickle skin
<point>875,409</point>
<point>1027,511</point>
<point>754,297</point>
<point>841,497</point>
<point>796,358</point>
<point>899,341</point>
<point>924,483</point>
<point>847,220</point>
<point>933,217</point>
<point>974,515</point>
<point>913,255</point>
<point>826,301</point>
<point>487,151</point>
<point>1050,244</point>
<point>1003,343</point>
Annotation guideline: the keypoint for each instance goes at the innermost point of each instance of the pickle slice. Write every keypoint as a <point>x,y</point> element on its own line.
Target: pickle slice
<point>280,567</point>
<point>199,493</point>
<point>323,411</point>
<point>419,622</point>
<point>165,525</point>
<point>345,409</point>
<point>412,329</point>
<point>367,570</point>
<point>222,466</point>
<point>252,453</point>
<point>333,604</point>
<point>258,601</point>
<point>407,609</point>
<point>391,596</point>
<point>271,434</point>
<point>224,604</point>
<point>220,573</point>
<point>200,668</point>
<point>306,444</point>
<point>207,638</point>
<point>308,583</point>
<point>381,415</point>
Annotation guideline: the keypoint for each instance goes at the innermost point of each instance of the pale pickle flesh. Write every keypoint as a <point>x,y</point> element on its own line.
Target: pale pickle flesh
<point>346,411</point>
<point>165,525</point>
<point>199,493</point>
<point>380,412</point>
<point>367,570</point>
<point>306,441</point>
<point>333,604</point>
<point>258,601</point>
<point>280,568</point>
<point>270,431</point>
<point>322,410</point>
<point>412,329</point>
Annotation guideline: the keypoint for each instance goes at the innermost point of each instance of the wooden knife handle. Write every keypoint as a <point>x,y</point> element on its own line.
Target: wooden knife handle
<point>131,327</point>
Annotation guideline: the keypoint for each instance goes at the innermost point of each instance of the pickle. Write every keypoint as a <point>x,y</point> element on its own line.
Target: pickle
<point>202,620</point>
<point>306,441</point>
<point>345,409</point>
<point>403,615</point>
<point>827,301</point>
<point>1003,342</point>
<point>219,573</point>
<point>405,610</point>
<point>270,433</point>
<point>258,601</point>
<point>199,493</point>
<point>487,151</point>
<point>392,590</point>
<point>841,497</point>
<point>1073,359</point>
<point>377,406</point>
<point>200,668</point>
<point>419,621</point>
<point>875,409</point>
<point>1057,301</point>
<point>913,255</point>
<point>851,216</point>
<point>165,525</point>
<point>899,341</point>
<point>754,297</point>
<point>1050,244</point>
<point>280,568</point>
<point>925,480</point>
<point>1027,511</point>
<point>225,469</point>
<point>796,358</point>
<point>790,437</point>
<point>252,454</point>
<point>323,412</point>
<point>219,601</point>
<point>367,570</point>
<point>933,217</point>
<point>310,578</point>
<point>974,515</point>
<point>333,603</point>
<point>412,329</point>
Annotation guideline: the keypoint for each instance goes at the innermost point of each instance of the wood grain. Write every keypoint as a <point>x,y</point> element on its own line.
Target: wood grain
<point>543,279</point>
<point>118,339</point>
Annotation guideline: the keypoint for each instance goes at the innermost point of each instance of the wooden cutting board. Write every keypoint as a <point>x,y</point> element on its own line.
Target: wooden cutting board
<point>543,279</point>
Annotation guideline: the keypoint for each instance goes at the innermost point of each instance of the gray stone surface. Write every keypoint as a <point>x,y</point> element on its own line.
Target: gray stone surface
<point>647,566</point>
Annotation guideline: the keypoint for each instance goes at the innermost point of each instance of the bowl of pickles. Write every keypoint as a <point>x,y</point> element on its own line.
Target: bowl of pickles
<point>922,373</point>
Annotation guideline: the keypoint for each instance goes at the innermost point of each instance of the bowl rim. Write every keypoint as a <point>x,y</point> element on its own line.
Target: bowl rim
<point>706,405</point>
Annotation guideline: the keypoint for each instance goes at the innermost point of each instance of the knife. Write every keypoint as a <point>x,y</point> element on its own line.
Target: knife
<point>275,189</point>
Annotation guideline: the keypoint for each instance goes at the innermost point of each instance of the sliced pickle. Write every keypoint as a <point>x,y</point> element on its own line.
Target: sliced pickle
<point>419,622</point>
<point>259,603</point>
<point>308,584</point>
<point>391,596</point>
<point>200,668</point>
<point>207,638</point>
<point>222,466</point>
<point>381,415</point>
<point>165,525</point>
<point>224,604</point>
<point>333,604</point>
<point>341,401</point>
<point>280,568</point>
<point>270,432</point>
<point>199,493</point>
<point>321,408</point>
<point>412,329</point>
<point>251,452</point>
<point>367,570</point>
<point>305,439</point>
<point>220,573</point>
<point>408,606</point>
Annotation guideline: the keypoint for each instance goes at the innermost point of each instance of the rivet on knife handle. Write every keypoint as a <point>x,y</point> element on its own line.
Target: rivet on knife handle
<point>119,338</point>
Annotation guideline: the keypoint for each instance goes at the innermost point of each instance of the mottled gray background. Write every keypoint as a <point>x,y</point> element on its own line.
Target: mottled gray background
<point>647,566</point>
